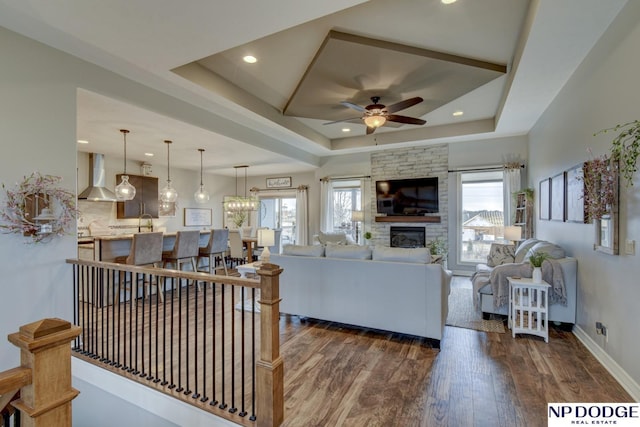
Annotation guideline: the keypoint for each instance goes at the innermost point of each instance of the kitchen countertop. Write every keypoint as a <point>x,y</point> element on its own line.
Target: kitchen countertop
<point>129,236</point>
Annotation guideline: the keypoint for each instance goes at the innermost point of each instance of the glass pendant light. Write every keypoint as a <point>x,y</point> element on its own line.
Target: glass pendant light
<point>124,190</point>
<point>168,193</point>
<point>202,195</point>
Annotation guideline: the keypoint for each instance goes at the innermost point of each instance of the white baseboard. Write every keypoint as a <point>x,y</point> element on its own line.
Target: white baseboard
<point>632,387</point>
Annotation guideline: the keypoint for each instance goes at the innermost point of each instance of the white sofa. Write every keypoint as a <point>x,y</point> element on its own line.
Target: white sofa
<point>557,312</point>
<point>406,297</point>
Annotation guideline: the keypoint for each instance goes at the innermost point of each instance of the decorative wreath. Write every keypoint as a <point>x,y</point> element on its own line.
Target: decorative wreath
<point>15,213</point>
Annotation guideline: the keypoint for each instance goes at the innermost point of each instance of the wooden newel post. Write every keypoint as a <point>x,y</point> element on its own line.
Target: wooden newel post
<point>45,349</point>
<point>269,369</point>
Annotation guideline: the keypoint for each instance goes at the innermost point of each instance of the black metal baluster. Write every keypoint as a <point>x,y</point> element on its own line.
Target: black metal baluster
<point>94,316</point>
<point>180,388</point>
<point>117,358</point>
<point>157,377</point>
<point>242,335</point>
<point>222,405</point>
<point>164,331</point>
<point>102,319</point>
<point>195,340</point>
<point>214,401</point>
<point>204,397</point>
<point>233,408</point>
<point>76,303</point>
<point>186,341</point>
<point>130,367</point>
<point>173,384</point>
<point>253,355</point>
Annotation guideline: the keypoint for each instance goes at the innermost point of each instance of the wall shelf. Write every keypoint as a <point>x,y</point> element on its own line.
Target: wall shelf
<point>407,218</point>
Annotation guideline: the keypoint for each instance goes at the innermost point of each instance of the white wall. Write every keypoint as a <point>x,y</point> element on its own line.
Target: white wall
<point>602,93</point>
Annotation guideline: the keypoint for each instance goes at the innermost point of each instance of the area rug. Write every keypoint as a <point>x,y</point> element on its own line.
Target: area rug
<point>462,314</point>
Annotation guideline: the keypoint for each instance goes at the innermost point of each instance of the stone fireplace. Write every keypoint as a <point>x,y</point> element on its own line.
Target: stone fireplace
<point>407,237</point>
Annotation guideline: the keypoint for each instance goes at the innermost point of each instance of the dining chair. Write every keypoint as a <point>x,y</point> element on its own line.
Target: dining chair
<point>217,245</point>
<point>237,251</point>
<point>146,249</point>
<point>185,250</point>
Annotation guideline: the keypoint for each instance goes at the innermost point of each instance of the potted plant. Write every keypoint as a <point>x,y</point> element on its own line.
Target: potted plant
<point>367,235</point>
<point>438,249</point>
<point>536,260</point>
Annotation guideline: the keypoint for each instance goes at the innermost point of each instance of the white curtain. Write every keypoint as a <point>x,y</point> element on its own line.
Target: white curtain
<point>326,205</point>
<point>302,216</point>
<point>511,179</point>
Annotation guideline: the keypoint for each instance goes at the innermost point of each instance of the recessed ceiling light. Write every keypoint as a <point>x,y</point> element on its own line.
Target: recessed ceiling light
<point>250,59</point>
<point>346,130</point>
<point>458,113</point>
<point>83,141</point>
<point>148,154</point>
<point>448,1</point>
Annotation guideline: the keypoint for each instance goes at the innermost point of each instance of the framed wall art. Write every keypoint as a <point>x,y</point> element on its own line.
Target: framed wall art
<point>279,182</point>
<point>574,194</point>
<point>544,199</point>
<point>557,197</point>
<point>197,217</point>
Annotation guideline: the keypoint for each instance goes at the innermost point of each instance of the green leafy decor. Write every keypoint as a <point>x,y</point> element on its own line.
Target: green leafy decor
<point>537,258</point>
<point>625,148</point>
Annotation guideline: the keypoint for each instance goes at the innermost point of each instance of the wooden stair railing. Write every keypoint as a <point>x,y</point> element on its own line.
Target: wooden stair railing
<point>44,379</point>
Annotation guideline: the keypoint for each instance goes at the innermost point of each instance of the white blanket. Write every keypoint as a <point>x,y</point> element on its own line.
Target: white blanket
<point>551,273</point>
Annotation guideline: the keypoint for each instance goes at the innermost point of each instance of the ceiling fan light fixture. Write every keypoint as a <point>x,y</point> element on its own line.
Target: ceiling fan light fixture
<point>374,121</point>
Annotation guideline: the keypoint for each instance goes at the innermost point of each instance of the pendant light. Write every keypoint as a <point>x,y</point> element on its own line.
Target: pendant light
<point>168,194</point>
<point>124,190</point>
<point>202,195</point>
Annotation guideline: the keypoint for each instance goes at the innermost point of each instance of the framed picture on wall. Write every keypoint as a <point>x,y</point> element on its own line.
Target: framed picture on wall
<point>544,199</point>
<point>557,197</point>
<point>197,217</point>
<point>574,194</point>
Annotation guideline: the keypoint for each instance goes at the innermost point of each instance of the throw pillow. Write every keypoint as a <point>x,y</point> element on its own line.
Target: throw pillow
<point>499,253</point>
<point>523,248</point>
<point>552,250</point>
<point>303,250</point>
<point>415,255</point>
<point>348,251</point>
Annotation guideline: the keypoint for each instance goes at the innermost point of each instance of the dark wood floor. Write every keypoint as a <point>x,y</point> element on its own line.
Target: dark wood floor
<point>337,376</point>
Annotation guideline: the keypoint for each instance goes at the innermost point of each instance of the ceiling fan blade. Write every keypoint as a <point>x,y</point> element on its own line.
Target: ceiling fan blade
<point>404,104</point>
<point>405,119</point>
<point>343,120</point>
<point>370,130</point>
<point>351,105</point>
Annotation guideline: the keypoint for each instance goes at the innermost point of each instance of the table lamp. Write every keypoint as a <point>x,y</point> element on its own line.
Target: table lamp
<point>266,238</point>
<point>513,233</point>
<point>357,217</point>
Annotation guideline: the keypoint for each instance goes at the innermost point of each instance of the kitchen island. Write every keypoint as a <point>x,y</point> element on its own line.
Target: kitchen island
<point>108,248</point>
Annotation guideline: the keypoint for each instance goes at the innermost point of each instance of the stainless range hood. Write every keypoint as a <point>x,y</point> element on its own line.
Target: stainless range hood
<point>97,191</point>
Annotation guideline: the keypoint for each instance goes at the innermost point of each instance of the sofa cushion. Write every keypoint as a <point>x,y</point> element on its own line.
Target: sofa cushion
<point>552,250</point>
<point>303,250</point>
<point>523,248</point>
<point>500,253</point>
<point>415,255</point>
<point>348,251</point>
<point>339,237</point>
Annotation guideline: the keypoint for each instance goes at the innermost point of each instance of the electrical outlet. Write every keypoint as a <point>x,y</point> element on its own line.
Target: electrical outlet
<point>630,247</point>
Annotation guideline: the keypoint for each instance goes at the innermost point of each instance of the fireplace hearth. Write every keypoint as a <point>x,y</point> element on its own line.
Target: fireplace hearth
<point>407,237</point>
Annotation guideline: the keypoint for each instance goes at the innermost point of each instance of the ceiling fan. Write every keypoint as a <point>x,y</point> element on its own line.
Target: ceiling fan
<point>376,115</point>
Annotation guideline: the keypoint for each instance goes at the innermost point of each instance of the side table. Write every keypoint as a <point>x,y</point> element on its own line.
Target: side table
<point>528,307</point>
<point>245,269</point>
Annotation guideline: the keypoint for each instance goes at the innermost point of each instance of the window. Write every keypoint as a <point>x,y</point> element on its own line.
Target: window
<point>347,197</point>
<point>279,212</point>
<point>481,214</point>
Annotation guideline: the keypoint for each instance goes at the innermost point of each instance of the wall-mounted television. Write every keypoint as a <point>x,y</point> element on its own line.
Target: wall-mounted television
<point>412,196</point>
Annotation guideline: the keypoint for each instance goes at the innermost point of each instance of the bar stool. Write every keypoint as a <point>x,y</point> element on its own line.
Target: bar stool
<point>184,250</point>
<point>146,249</point>
<point>218,242</point>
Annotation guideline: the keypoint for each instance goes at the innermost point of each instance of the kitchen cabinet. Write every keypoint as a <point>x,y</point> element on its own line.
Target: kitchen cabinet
<point>146,200</point>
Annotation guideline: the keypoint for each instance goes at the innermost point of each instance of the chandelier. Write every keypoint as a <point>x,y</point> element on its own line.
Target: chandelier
<point>124,190</point>
<point>168,194</point>
<point>240,204</point>
<point>202,195</point>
